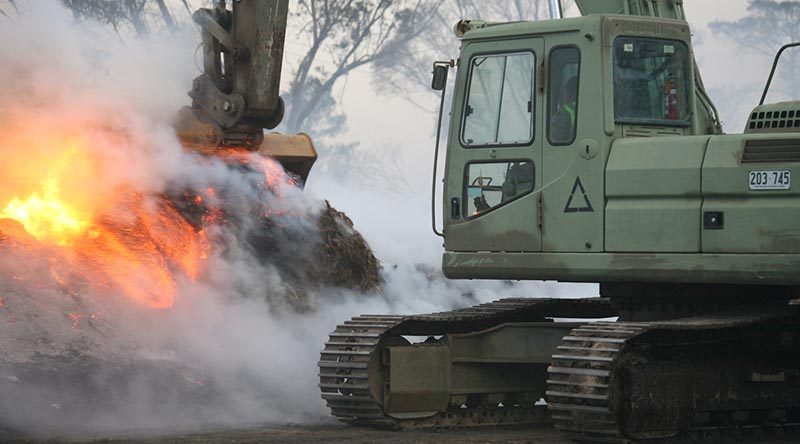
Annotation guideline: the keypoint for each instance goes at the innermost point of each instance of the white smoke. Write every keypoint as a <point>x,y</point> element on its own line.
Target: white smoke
<point>228,352</point>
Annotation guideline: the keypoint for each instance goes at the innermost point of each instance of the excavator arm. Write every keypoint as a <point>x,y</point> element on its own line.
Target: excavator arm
<point>237,95</point>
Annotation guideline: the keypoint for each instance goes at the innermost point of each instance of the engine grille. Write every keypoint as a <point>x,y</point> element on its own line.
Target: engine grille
<point>768,151</point>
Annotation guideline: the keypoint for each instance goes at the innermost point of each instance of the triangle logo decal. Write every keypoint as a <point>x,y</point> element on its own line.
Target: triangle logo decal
<point>578,197</point>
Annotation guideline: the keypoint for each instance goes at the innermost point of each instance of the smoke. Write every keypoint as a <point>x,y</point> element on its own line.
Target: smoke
<point>78,356</point>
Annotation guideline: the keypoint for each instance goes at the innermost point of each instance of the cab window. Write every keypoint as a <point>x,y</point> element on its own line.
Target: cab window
<point>499,105</point>
<point>492,184</point>
<point>562,108</point>
<point>651,81</point>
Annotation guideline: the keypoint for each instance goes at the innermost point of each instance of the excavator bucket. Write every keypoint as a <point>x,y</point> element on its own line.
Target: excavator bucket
<point>296,153</point>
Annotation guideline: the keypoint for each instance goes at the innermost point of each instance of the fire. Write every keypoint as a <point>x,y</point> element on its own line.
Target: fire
<point>139,256</point>
<point>118,240</point>
<point>45,215</point>
<point>78,189</point>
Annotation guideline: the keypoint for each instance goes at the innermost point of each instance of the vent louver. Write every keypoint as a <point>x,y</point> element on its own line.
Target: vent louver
<point>769,151</point>
<point>775,118</point>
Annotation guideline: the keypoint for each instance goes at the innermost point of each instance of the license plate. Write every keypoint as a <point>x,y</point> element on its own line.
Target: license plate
<point>770,180</point>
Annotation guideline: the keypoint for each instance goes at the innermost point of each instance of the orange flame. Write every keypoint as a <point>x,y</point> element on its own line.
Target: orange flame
<point>118,240</point>
<point>44,214</point>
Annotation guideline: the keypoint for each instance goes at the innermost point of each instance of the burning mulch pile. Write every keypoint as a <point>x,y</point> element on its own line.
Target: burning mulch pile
<point>69,346</point>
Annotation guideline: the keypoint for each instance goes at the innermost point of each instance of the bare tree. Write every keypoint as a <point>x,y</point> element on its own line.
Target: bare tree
<point>166,15</point>
<point>411,66</point>
<point>141,17</point>
<point>380,168</point>
<point>769,25</point>
<point>387,171</point>
<point>344,35</point>
<point>511,10</point>
<point>10,8</point>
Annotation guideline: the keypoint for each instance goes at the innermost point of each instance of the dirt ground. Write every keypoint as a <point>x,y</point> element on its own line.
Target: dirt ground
<point>330,434</point>
<point>342,434</point>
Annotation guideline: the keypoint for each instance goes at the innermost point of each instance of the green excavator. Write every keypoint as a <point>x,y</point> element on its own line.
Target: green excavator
<point>587,150</point>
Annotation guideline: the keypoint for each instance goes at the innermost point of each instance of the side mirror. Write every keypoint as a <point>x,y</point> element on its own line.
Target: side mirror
<point>439,77</point>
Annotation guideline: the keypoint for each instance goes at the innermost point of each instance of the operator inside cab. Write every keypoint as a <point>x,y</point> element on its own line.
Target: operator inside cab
<point>562,127</point>
<point>562,95</point>
<point>651,81</point>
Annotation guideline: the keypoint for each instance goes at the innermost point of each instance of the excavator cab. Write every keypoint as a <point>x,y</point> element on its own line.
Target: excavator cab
<point>631,179</point>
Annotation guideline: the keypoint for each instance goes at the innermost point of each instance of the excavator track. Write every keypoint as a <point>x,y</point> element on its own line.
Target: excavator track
<point>578,392</point>
<point>344,366</point>
<point>587,382</point>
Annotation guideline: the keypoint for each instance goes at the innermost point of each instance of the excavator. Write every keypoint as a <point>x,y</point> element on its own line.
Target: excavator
<point>586,149</point>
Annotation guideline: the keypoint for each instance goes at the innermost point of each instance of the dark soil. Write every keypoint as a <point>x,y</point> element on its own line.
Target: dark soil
<point>334,434</point>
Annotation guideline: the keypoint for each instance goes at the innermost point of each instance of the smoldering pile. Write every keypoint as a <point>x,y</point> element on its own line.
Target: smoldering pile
<point>74,346</point>
<point>310,248</point>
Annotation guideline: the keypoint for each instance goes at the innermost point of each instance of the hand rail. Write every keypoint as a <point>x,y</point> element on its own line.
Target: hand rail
<point>774,66</point>
<point>436,150</point>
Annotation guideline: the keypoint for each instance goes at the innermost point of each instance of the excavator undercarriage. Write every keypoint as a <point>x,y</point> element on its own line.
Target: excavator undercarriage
<point>731,373</point>
<point>473,366</point>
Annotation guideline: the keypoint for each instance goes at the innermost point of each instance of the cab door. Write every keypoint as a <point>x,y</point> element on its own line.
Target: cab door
<point>494,157</point>
<point>574,164</point>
